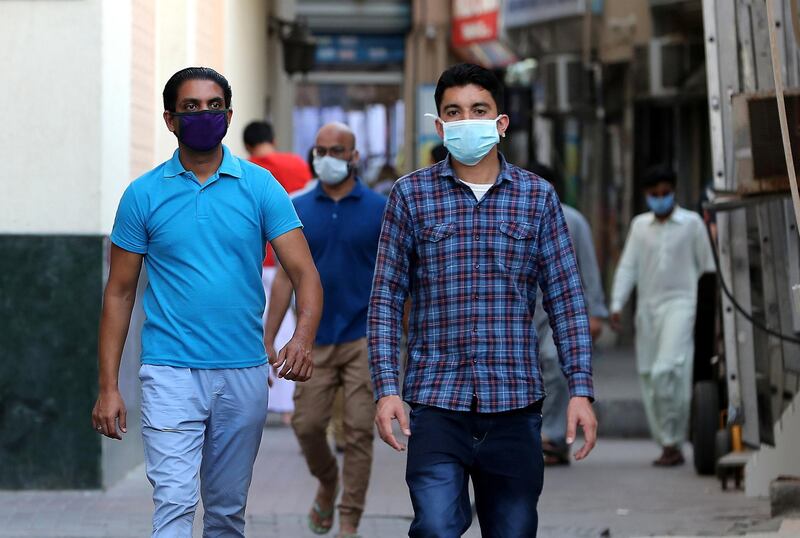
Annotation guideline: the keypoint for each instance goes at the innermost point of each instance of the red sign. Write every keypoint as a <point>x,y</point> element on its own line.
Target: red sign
<point>474,21</point>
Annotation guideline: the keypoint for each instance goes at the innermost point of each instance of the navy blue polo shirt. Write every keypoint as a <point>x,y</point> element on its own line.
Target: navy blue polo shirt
<point>343,237</point>
<point>203,245</point>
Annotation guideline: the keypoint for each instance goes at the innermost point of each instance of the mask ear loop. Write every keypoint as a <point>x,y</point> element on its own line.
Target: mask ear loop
<point>437,118</point>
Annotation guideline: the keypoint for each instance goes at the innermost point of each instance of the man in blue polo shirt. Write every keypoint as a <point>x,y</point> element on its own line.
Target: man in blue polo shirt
<point>200,222</point>
<point>342,223</point>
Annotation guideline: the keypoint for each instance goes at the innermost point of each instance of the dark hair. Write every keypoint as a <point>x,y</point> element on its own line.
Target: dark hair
<point>658,174</point>
<point>258,132</point>
<point>549,175</point>
<point>438,153</point>
<point>465,74</point>
<point>193,73</point>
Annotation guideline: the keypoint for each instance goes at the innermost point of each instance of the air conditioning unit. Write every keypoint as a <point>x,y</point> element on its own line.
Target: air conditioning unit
<point>564,85</point>
<point>670,61</point>
<point>759,162</point>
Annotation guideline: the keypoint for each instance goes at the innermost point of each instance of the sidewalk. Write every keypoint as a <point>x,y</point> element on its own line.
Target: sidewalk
<point>618,405</point>
<point>616,490</point>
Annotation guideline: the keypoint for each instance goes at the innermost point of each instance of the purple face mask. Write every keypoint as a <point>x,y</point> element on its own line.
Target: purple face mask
<point>204,130</point>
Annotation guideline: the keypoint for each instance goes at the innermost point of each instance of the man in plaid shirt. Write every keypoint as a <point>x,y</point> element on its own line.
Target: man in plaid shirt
<point>468,241</point>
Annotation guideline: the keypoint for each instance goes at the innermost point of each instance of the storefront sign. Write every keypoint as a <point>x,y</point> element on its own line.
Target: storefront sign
<point>357,49</point>
<point>518,13</point>
<point>474,21</point>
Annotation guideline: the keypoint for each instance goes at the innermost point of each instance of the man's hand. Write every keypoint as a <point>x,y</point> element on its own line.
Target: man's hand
<point>272,355</point>
<point>580,412</point>
<point>595,327</point>
<point>108,408</point>
<point>390,408</point>
<point>294,361</point>
<point>616,321</point>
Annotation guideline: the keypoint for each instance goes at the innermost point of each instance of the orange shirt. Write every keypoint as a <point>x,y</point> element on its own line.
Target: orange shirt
<point>291,171</point>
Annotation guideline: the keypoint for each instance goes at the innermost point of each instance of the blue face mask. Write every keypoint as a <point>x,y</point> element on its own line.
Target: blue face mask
<point>468,141</point>
<point>661,205</point>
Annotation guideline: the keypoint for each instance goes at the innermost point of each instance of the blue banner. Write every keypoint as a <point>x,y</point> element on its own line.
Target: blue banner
<point>518,13</point>
<point>355,49</point>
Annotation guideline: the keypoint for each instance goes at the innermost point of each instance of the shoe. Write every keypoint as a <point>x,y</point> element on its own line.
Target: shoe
<point>670,457</point>
<point>554,454</point>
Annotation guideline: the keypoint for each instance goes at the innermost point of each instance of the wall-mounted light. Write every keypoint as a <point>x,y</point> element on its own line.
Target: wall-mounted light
<point>299,46</point>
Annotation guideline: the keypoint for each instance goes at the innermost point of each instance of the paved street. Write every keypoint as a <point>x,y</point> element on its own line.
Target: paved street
<point>616,489</point>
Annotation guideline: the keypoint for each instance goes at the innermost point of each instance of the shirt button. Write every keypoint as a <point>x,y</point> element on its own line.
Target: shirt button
<point>477,266</point>
<point>475,329</point>
<point>477,238</point>
<point>335,216</point>
<point>475,297</point>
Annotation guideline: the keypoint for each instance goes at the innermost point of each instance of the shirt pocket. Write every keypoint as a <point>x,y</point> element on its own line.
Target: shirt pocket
<point>516,244</point>
<point>436,247</point>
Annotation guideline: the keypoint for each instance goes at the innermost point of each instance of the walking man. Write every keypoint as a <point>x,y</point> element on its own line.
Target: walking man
<point>666,252</point>
<point>293,174</point>
<point>290,170</point>
<point>554,410</point>
<point>342,220</point>
<point>200,222</point>
<point>469,240</point>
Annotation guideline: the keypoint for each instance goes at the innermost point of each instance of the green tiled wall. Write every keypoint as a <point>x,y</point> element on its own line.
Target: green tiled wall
<point>50,297</point>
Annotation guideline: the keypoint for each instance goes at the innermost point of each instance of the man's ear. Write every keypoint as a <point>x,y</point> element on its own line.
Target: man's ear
<point>169,119</point>
<point>502,124</point>
<point>230,116</point>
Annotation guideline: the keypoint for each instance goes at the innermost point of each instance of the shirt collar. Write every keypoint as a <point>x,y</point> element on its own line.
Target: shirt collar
<point>357,192</point>
<point>445,169</point>
<point>230,165</point>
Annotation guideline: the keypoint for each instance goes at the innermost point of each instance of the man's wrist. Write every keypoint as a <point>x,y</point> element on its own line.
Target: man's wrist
<point>109,388</point>
<point>303,337</point>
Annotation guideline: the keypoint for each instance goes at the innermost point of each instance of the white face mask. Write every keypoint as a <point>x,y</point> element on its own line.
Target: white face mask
<point>331,170</point>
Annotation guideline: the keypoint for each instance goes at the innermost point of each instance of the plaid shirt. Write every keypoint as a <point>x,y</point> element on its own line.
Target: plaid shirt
<point>471,270</point>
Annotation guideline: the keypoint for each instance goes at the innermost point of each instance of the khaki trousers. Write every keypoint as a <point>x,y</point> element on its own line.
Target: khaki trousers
<point>341,365</point>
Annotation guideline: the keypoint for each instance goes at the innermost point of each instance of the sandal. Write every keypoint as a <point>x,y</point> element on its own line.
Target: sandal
<point>322,515</point>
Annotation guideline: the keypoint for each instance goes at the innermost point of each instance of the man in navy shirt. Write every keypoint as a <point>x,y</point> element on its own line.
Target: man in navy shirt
<point>342,222</point>
<point>199,222</point>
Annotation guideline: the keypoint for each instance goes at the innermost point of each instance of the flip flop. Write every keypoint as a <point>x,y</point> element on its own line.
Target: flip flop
<point>323,515</point>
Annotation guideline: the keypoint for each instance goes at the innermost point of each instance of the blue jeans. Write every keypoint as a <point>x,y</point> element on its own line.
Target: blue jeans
<point>201,430</point>
<point>501,452</point>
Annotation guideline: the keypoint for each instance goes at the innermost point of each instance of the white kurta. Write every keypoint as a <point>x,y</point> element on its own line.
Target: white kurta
<point>282,391</point>
<point>664,261</point>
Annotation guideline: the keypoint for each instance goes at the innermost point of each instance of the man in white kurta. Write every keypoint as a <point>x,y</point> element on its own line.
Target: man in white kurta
<point>666,252</point>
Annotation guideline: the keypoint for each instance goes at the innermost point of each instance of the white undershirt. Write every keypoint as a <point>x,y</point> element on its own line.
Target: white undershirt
<point>478,189</point>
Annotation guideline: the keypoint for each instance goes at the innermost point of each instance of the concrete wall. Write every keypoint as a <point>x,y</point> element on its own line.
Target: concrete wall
<point>769,463</point>
<point>50,56</point>
<point>246,52</point>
